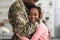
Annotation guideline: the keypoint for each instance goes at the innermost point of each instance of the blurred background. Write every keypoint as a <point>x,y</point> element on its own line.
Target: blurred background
<point>51,16</point>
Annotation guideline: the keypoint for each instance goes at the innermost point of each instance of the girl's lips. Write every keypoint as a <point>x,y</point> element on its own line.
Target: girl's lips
<point>33,20</point>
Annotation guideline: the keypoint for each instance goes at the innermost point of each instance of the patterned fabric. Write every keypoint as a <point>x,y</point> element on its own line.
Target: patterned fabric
<point>14,37</point>
<point>29,29</point>
<point>18,16</point>
<point>19,20</point>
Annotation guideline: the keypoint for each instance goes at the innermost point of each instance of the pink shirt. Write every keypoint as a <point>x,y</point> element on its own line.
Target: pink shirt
<point>40,34</point>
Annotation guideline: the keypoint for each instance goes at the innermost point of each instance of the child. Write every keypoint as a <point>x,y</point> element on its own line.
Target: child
<point>40,31</point>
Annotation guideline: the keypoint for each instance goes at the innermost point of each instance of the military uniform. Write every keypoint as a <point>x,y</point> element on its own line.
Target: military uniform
<point>18,16</point>
<point>29,30</point>
<point>19,20</point>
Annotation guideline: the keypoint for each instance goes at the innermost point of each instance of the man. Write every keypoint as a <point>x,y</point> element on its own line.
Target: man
<point>18,15</point>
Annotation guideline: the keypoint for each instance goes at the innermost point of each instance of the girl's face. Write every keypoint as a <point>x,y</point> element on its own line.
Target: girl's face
<point>33,15</point>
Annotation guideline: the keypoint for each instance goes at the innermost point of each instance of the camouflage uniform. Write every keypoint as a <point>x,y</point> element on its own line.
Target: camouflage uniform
<point>19,20</point>
<point>29,30</point>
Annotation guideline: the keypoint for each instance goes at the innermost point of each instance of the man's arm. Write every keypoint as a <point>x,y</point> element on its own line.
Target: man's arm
<point>17,16</point>
<point>37,34</point>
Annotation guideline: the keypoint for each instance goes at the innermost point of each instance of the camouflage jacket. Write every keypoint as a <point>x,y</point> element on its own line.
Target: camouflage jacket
<point>18,18</point>
<point>17,15</point>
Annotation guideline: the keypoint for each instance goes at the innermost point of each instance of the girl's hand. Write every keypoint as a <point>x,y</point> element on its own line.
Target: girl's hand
<point>22,37</point>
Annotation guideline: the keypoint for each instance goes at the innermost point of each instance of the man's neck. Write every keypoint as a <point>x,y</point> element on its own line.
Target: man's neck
<point>28,2</point>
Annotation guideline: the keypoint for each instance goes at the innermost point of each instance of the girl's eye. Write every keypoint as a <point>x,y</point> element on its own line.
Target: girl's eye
<point>35,15</point>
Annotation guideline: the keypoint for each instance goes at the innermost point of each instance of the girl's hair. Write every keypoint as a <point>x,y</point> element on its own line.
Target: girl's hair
<point>30,6</point>
<point>33,6</point>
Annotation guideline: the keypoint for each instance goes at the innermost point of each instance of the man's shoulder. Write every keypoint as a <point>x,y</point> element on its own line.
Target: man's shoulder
<point>17,5</point>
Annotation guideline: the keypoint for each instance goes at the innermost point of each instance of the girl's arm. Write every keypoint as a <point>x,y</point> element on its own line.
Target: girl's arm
<point>22,37</point>
<point>40,30</point>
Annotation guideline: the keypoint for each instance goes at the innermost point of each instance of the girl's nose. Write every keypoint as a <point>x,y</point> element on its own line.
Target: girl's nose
<point>33,16</point>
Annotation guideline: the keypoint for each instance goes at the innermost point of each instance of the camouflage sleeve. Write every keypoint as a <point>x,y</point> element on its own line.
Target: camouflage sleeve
<point>17,16</point>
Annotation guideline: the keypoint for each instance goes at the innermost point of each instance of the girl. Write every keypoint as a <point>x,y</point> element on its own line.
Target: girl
<point>40,31</point>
